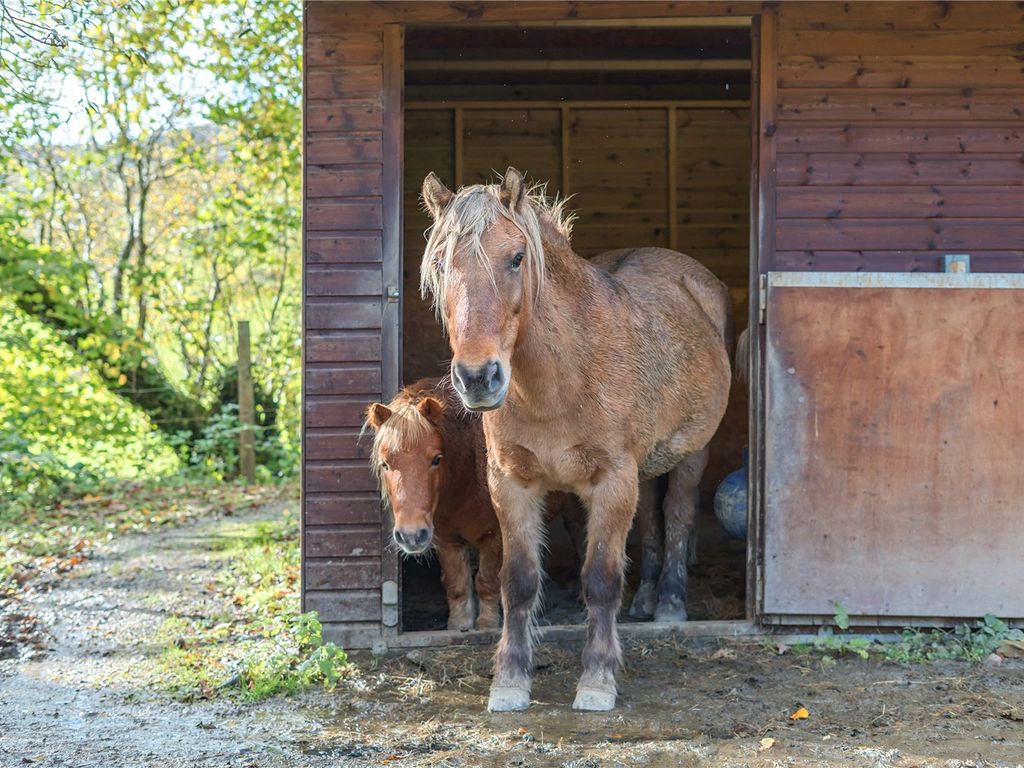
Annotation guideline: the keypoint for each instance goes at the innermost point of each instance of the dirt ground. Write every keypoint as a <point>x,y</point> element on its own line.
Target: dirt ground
<point>75,701</point>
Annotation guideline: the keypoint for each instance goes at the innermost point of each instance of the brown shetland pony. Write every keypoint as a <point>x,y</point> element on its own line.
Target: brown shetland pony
<point>590,379</point>
<point>429,457</point>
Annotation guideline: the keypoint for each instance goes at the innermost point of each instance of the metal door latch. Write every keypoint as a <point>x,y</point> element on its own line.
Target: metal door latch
<point>393,294</point>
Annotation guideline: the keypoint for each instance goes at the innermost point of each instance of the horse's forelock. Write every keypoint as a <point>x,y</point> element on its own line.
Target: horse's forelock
<point>463,223</point>
<point>404,428</point>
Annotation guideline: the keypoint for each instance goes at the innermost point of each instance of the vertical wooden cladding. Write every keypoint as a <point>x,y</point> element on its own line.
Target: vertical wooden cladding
<point>344,279</point>
<point>899,135</point>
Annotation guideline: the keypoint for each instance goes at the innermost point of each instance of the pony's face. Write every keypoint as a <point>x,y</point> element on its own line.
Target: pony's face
<point>486,283</point>
<point>408,459</point>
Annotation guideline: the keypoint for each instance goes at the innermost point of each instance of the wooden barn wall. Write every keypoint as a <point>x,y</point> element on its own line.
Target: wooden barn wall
<point>346,237</point>
<point>899,136</point>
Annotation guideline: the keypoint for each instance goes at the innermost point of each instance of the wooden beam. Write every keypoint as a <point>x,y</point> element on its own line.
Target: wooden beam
<point>556,104</point>
<point>580,65</point>
<point>673,192</point>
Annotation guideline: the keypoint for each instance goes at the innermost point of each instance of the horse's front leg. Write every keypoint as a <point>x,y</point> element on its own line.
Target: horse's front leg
<point>612,504</point>
<point>457,578</point>
<point>520,513</point>
<point>488,582</point>
<point>681,504</point>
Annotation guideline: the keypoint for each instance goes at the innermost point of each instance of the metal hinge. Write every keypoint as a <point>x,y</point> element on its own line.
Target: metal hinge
<point>393,293</point>
<point>762,299</point>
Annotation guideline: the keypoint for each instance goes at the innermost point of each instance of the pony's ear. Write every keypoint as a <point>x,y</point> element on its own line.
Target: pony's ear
<point>431,408</point>
<point>435,194</point>
<point>513,189</point>
<point>377,414</point>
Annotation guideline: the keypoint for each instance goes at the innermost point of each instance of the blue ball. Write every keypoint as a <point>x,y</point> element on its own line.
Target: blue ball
<point>731,502</point>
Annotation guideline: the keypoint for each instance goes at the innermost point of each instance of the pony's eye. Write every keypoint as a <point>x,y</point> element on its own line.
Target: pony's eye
<point>436,461</point>
<point>384,466</point>
<point>517,259</point>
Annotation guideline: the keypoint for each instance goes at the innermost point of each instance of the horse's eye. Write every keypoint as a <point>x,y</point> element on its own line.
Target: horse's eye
<point>517,259</point>
<point>384,466</point>
<point>436,461</point>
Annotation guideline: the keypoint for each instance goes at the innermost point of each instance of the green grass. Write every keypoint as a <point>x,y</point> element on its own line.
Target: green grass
<point>259,645</point>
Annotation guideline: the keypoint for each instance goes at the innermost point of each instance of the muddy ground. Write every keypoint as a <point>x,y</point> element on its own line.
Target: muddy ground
<point>75,700</point>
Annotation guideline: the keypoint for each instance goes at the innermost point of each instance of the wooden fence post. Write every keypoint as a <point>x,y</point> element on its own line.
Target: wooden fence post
<point>246,407</point>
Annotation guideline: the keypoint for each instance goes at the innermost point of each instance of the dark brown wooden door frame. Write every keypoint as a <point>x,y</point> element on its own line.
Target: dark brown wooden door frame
<point>764,52</point>
<point>391,325</point>
<point>762,229</point>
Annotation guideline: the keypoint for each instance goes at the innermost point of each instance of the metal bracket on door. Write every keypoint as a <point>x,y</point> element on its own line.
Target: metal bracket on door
<point>762,298</point>
<point>389,603</point>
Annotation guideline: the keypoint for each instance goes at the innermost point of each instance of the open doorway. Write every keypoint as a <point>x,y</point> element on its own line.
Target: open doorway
<point>648,128</point>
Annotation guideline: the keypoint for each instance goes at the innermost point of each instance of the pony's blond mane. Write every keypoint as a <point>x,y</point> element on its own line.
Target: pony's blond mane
<point>462,225</point>
<point>405,427</point>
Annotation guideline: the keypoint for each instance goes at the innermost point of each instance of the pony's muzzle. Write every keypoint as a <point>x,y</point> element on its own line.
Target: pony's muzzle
<point>414,540</point>
<point>481,387</point>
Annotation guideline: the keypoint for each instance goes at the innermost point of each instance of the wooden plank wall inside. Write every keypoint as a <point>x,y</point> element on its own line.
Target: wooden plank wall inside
<point>900,136</point>
<point>343,284</point>
<point>617,173</point>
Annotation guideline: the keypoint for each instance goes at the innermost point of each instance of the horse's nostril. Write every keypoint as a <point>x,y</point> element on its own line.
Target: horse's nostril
<point>492,376</point>
<point>422,536</point>
<point>462,377</point>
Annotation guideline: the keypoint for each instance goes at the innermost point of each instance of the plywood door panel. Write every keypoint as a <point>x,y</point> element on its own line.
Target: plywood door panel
<point>894,482</point>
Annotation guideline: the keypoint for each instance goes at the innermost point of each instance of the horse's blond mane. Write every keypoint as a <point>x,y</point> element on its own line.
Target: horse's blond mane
<point>405,427</point>
<point>466,218</point>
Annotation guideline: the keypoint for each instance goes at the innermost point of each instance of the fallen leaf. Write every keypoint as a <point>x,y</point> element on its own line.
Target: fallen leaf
<point>781,648</point>
<point>1011,649</point>
<point>800,714</point>
<point>766,743</point>
<point>724,653</point>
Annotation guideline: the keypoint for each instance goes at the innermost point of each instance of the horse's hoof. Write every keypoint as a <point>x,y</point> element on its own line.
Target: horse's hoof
<point>642,607</point>
<point>460,625</point>
<point>590,699</point>
<point>505,699</point>
<point>670,611</point>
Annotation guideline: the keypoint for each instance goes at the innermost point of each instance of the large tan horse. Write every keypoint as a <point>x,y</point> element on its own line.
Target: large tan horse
<point>590,379</point>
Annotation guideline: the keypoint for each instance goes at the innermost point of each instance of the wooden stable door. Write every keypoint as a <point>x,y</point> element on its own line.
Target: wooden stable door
<point>894,428</point>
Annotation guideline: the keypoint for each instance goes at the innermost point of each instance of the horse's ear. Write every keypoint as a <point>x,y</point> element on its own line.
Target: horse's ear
<point>431,408</point>
<point>513,189</point>
<point>377,414</point>
<point>435,194</point>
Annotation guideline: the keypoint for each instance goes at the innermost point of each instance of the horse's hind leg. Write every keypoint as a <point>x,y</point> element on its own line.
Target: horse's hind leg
<point>681,503</point>
<point>520,515</point>
<point>612,505</point>
<point>652,542</point>
<point>488,583</point>
<point>457,578</point>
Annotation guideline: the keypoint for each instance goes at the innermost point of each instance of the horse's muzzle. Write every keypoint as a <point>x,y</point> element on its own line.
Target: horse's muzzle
<point>414,541</point>
<point>481,387</point>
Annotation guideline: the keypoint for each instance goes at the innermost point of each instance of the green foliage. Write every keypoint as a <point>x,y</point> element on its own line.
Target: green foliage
<point>61,429</point>
<point>914,646</point>
<point>153,187</point>
<point>962,642</point>
<point>262,646</point>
